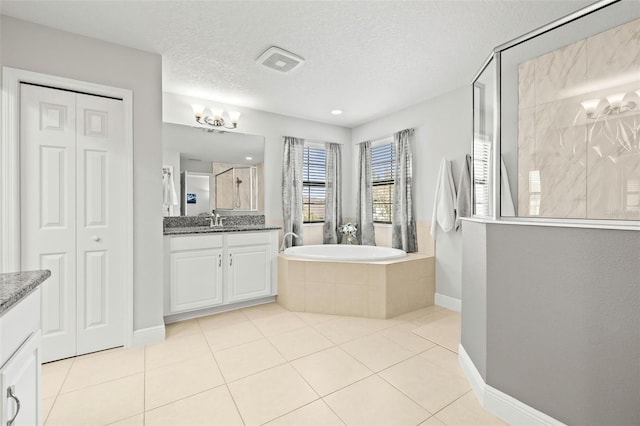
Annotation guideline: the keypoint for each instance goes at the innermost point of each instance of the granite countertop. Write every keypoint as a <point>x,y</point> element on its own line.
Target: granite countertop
<point>15,286</point>
<point>209,230</point>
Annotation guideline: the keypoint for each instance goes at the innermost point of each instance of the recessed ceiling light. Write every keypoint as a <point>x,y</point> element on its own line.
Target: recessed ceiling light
<point>248,158</point>
<point>336,111</point>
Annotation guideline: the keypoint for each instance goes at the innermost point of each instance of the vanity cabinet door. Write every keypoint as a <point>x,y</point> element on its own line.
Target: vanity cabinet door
<point>195,279</point>
<point>20,384</point>
<point>249,272</point>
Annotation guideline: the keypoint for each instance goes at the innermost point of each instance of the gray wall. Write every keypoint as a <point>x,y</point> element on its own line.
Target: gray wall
<point>41,49</point>
<point>442,130</point>
<point>474,294</point>
<point>563,318</point>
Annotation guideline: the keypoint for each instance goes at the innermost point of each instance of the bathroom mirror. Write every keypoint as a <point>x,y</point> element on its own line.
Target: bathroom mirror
<point>201,155</point>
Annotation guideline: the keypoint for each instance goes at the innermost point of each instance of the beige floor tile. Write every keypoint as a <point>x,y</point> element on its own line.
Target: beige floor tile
<point>263,311</point>
<point>445,359</point>
<point>47,403</point>
<point>182,328</point>
<point>179,380</point>
<point>317,413</point>
<point>175,350</point>
<point>102,367</point>
<point>468,411</point>
<point>376,351</point>
<point>346,329</point>
<point>137,420</point>
<point>101,404</point>
<point>418,313</point>
<point>330,370</point>
<point>313,318</point>
<point>232,335</point>
<point>444,332</point>
<point>241,361</point>
<point>277,324</point>
<point>404,336</point>
<point>53,376</point>
<point>432,421</point>
<point>431,386</point>
<point>373,401</point>
<point>267,395</point>
<point>300,342</point>
<point>223,319</point>
<point>213,407</point>
<point>427,318</point>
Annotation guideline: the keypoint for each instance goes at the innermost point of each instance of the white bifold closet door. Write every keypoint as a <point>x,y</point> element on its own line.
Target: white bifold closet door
<point>72,222</point>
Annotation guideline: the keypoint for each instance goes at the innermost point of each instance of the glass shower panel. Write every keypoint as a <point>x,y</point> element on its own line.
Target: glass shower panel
<point>570,119</point>
<point>483,119</point>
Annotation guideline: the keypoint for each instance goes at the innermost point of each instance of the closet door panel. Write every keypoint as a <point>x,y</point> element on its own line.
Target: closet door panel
<point>48,212</point>
<point>100,220</point>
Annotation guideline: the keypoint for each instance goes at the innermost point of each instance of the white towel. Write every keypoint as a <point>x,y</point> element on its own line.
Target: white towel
<point>463,201</point>
<point>506,201</point>
<point>444,203</point>
<point>170,198</point>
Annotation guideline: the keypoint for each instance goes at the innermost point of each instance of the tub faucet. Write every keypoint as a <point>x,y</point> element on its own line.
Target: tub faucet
<point>284,238</point>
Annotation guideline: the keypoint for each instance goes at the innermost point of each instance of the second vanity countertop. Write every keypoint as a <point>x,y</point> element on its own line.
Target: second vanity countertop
<point>15,286</point>
<point>208,230</point>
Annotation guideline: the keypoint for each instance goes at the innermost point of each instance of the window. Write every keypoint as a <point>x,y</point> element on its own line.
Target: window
<point>383,165</point>
<point>481,177</point>
<point>313,185</point>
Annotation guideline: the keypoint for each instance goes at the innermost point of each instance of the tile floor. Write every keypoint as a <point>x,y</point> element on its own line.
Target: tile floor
<point>266,365</point>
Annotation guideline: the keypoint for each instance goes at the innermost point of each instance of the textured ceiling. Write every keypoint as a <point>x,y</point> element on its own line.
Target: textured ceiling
<point>367,58</point>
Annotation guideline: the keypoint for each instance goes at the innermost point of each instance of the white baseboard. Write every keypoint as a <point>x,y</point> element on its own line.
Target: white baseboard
<point>506,407</point>
<point>473,375</point>
<point>146,336</point>
<point>448,302</point>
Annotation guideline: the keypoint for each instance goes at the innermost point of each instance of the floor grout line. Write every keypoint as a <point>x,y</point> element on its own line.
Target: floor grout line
<point>313,326</point>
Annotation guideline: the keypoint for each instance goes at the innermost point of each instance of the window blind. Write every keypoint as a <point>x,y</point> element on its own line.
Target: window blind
<point>482,176</point>
<point>313,185</point>
<point>383,164</point>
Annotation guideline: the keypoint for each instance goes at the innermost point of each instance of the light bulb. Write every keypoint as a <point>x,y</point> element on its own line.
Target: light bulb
<point>615,99</point>
<point>234,116</point>
<point>197,110</point>
<point>590,106</point>
<point>216,113</point>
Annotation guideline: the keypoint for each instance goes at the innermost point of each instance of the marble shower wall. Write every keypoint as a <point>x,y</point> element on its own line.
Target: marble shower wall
<point>571,165</point>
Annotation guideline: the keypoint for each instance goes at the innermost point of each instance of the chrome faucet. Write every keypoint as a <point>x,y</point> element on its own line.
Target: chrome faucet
<point>215,220</point>
<point>284,238</point>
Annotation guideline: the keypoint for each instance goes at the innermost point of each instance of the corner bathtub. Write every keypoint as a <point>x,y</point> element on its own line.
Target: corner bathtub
<point>345,253</point>
<point>363,281</point>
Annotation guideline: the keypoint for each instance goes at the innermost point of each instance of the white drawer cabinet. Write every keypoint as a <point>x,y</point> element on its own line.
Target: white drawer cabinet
<point>21,359</point>
<point>207,271</point>
<point>20,381</point>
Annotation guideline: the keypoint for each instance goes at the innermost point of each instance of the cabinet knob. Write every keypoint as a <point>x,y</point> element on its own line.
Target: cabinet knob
<point>11,395</point>
<point>95,238</point>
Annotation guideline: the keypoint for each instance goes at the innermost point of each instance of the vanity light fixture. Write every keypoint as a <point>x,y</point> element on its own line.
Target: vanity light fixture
<point>213,117</point>
<point>613,104</point>
<point>336,111</point>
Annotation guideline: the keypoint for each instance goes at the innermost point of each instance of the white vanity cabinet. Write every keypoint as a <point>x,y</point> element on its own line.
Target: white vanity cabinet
<point>208,271</point>
<point>195,272</point>
<point>249,267</point>
<point>20,359</point>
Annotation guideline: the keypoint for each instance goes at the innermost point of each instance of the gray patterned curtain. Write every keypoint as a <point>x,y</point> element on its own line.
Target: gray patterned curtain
<point>292,189</point>
<point>333,195</point>
<point>364,198</point>
<point>403,225</point>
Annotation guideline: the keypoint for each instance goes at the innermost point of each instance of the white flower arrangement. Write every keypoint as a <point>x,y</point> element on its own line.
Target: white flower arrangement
<point>348,229</point>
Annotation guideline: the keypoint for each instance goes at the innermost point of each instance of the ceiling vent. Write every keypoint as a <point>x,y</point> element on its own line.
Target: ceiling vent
<point>280,60</point>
